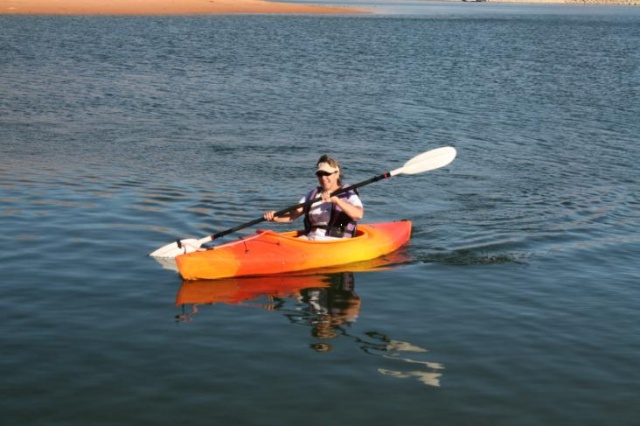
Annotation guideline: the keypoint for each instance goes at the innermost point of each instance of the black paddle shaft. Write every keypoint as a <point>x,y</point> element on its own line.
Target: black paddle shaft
<point>297,206</point>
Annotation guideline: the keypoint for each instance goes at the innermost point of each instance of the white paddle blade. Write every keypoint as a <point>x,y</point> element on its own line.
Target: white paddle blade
<point>170,251</point>
<point>426,161</point>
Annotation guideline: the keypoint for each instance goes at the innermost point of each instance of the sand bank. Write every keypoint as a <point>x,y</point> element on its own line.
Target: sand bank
<point>162,7</point>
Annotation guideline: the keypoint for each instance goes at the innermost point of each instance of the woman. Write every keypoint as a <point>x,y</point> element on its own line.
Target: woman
<point>331,217</point>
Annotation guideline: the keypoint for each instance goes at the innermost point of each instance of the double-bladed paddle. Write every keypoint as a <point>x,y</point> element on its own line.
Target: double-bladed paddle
<point>430,160</point>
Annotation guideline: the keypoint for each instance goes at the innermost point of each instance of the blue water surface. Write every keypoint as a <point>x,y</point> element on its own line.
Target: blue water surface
<point>514,303</point>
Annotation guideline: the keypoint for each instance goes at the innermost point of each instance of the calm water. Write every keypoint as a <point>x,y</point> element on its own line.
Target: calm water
<point>515,303</point>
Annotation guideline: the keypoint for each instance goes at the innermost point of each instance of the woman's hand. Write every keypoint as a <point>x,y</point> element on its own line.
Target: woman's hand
<point>287,217</point>
<point>327,198</point>
<point>354,212</point>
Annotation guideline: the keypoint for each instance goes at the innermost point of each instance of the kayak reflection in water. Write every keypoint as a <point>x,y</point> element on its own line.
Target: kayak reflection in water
<point>333,216</point>
<point>327,304</point>
<point>323,302</point>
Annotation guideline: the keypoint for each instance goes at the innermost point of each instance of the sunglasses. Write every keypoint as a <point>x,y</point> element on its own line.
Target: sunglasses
<point>324,174</point>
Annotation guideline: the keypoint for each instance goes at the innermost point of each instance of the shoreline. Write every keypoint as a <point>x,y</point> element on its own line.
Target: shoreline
<point>226,7</point>
<point>165,7</point>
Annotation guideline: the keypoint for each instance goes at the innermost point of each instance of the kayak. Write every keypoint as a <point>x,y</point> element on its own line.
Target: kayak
<point>268,252</point>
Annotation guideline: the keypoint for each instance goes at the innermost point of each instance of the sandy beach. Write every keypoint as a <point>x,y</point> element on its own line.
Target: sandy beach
<point>162,7</point>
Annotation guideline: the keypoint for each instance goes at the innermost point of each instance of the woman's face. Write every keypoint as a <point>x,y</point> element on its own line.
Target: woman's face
<point>328,181</point>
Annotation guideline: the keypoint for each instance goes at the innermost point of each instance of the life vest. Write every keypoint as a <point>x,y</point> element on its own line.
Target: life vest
<point>340,224</point>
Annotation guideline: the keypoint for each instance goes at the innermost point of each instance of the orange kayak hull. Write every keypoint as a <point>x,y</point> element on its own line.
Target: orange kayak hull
<point>270,252</point>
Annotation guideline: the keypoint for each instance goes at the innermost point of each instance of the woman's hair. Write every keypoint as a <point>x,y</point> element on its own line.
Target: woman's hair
<point>333,163</point>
